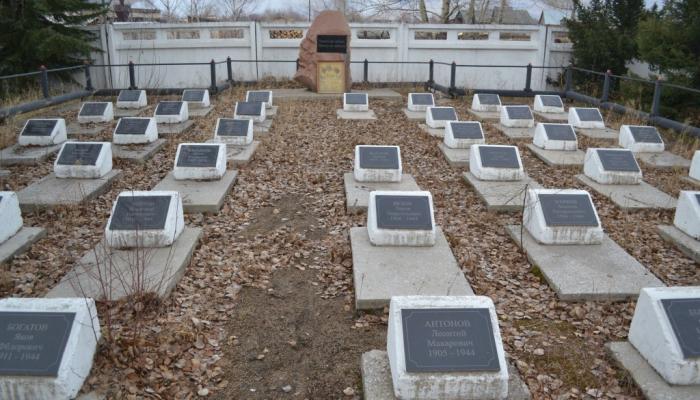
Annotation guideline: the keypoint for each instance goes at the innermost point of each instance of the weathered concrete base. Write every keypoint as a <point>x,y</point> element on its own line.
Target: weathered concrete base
<point>663,160</point>
<point>200,196</point>
<point>691,181</point>
<point>652,385</point>
<point>558,158</point>
<point>414,115</point>
<point>305,94</point>
<point>377,383</point>
<point>137,153</point>
<point>27,155</point>
<point>434,132</point>
<point>20,242</point>
<point>239,155</point>
<point>380,272</point>
<point>485,115</point>
<point>552,117</point>
<point>586,272</point>
<point>271,112</point>
<point>516,133</point>
<point>50,191</point>
<point>632,197</point>
<point>174,129</point>
<point>501,196</point>
<point>356,115</point>
<point>607,133</point>
<point>4,173</point>
<point>262,127</point>
<point>76,129</point>
<point>357,193</point>
<point>455,157</point>
<point>160,269</point>
<point>689,246</point>
<point>199,112</point>
<point>127,112</point>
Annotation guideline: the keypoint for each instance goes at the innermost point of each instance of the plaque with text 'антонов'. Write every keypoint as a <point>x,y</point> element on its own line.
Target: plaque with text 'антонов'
<point>134,213</point>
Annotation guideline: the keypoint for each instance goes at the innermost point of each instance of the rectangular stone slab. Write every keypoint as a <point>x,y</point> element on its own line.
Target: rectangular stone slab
<point>604,272</point>
<point>558,158</point>
<point>357,193</point>
<point>632,197</point>
<point>551,101</point>
<point>552,117</point>
<point>197,112</point>
<point>434,132</point>
<point>20,242</point>
<point>50,191</point>
<point>501,196</point>
<point>127,112</point>
<point>422,99</point>
<point>663,160</point>
<point>262,128</point>
<point>485,115</point>
<point>516,133</point>
<point>26,155</point>
<point>358,115</point>
<point>174,129</point>
<point>164,266</point>
<point>455,157</point>
<point>137,153</point>
<point>356,98</point>
<point>169,108</point>
<point>239,155</point>
<point>652,385</point>
<point>519,112</point>
<point>380,272</point>
<point>689,246</point>
<point>414,115</point>
<point>606,134</point>
<point>76,129</point>
<point>200,196</point>
<point>383,157</point>
<point>305,94</point>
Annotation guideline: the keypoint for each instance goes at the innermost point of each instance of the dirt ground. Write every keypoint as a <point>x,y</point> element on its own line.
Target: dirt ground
<point>265,310</point>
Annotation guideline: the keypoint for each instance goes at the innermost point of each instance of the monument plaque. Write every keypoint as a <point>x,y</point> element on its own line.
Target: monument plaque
<point>422,99</point>
<point>467,130</point>
<point>258,96</point>
<point>443,113</point>
<point>589,114</point>
<point>92,109</point>
<point>133,213</point>
<point>331,44</point>
<point>193,95</point>
<point>233,127</point>
<point>32,343</point>
<point>374,157</point>
<point>498,157</point>
<point>199,156</point>
<point>355,98</point>
<point>80,154</point>
<point>684,316</point>
<point>129,95</point>
<point>563,132</point>
<point>618,160</point>
<point>567,210</point>
<point>519,112</point>
<point>39,127</point>
<point>331,77</point>
<point>132,126</point>
<point>403,212</point>
<point>551,101</point>
<point>489,99</point>
<point>645,134</point>
<point>249,108</point>
<point>169,108</point>
<point>449,340</point>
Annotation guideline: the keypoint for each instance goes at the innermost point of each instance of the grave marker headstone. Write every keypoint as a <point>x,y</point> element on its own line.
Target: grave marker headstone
<point>562,217</point>
<point>463,134</point>
<point>238,132</point>
<point>586,118</point>
<point>200,161</point>
<point>641,139</point>
<point>355,102</point>
<point>145,219</point>
<point>612,166</point>
<point>196,98</point>
<point>132,99</point>
<point>548,104</point>
<point>171,112</point>
<point>516,117</point>
<point>84,160</point>
<point>495,163</point>
<point>10,215</point>
<point>436,117</point>
<point>694,172</point>
<point>687,217</point>
<point>399,218</point>
<point>260,96</point>
<point>254,111</point>
<point>377,164</point>
<point>135,130</point>
<point>486,102</point>
<point>43,132</point>
<point>420,101</point>
<point>555,137</point>
<point>95,112</point>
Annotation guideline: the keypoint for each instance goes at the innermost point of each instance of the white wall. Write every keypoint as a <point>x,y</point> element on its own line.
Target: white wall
<point>177,43</point>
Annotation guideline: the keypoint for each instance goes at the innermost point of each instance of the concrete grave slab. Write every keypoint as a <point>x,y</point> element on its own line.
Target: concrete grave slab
<point>164,266</point>
<point>254,111</point>
<point>687,216</point>
<point>632,197</point>
<point>437,117</point>
<point>237,132</point>
<point>96,112</point>
<point>486,102</point>
<point>20,242</point>
<point>414,115</point>
<point>501,196</point>
<point>484,116</point>
<point>355,102</point>
<point>586,272</point>
<point>127,112</point>
<point>305,94</point>
<point>377,163</point>
<point>10,215</point>
<point>694,172</point>
<point>42,132</point>
<point>516,133</point>
<point>455,157</point>
<point>652,385</point>
<point>260,128</point>
<point>551,117</point>
<point>166,129</point>
<point>434,132</point>
<point>131,99</point>
<point>548,104</point>
<point>91,129</point>
<point>691,181</point>
<point>555,137</point>
<point>419,102</point>
<point>27,155</point>
<point>200,196</point>
<point>401,218</point>
<point>686,244</point>
<point>357,193</point>
<point>663,160</point>
<point>612,166</point>
<point>463,134</point>
<point>239,155</point>
<point>83,160</point>
<point>558,158</point>
<point>263,96</point>
<point>355,115</point>
<point>377,384</point>
<point>196,98</point>
<point>272,112</point>
<point>135,131</point>
<point>641,139</point>
<point>200,161</point>
<point>137,153</point>
<point>50,191</point>
<point>595,133</point>
<point>380,272</point>
<point>199,112</point>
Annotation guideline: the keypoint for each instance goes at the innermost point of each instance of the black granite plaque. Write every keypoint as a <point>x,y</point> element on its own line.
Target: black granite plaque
<point>422,99</point>
<point>618,160</point>
<point>39,127</point>
<point>697,197</point>
<point>253,108</point>
<point>258,96</point>
<point>79,153</point>
<point>93,109</point>
<point>518,112</point>
<point>645,134</point>
<point>132,126</point>
<point>551,101</point>
<point>194,95</point>
<point>198,156</point>
<point>233,127</point>
<point>443,114</point>
<point>498,157</point>
<point>331,44</point>
<point>684,316</point>
<point>0,199</point>
<point>559,132</point>
<point>169,108</point>
<point>467,130</point>
<point>449,340</point>
<point>567,210</point>
<point>383,157</point>
<point>32,343</point>
<point>129,95</point>
<point>355,98</point>
<point>133,213</point>
<point>589,114</point>
<point>403,212</point>
<point>489,99</point>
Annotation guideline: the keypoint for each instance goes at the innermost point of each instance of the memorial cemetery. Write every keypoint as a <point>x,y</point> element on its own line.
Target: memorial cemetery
<point>340,223</point>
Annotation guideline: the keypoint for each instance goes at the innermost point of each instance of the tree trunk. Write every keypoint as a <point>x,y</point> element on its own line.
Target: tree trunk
<point>445,12</point>
<point>423,11</point>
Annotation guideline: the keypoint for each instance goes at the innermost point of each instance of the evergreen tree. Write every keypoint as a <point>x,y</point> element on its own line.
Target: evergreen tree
<point>45,32</point>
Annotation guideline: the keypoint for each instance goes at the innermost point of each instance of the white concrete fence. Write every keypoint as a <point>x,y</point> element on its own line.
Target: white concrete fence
<point>148,43</point>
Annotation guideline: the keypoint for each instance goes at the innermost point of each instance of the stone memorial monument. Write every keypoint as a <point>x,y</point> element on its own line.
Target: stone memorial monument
<point>648,146</point>
<point>589,122</point>
<point>516,122</point>
<point>38,139</point>
<point>436,118</point>
<point>83,160</point>
<point>355,106</point>
<point>486,107</point>
<point>556,144</point>
<point>459,137</point>
<point>550,108</point>
<point>132,99</point>
<point>685,231</point>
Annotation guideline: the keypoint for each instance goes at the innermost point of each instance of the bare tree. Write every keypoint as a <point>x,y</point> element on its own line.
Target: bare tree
<point>448,9</point>
<point>199,9</point>
<point>236,9</point>
<point>170,9</point>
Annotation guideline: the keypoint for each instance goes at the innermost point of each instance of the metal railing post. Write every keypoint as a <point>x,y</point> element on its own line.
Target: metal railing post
<point>88,77</point>
<point>297,64</point>
<point>453,76</point>
<point>229,69</point>
<point>132,76</point>
<point>44,82</point>
<point>569,77</point>
<point>528,78</point>
<point>606,87</point>
<point>212,71</point>
<point>366,71</point>
<point>656,101</point>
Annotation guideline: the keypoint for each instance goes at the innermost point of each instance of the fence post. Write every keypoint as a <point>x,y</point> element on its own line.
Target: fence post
<point>212,70</point>
<point>430,74</point>
<point>44,81</point>
<point>366,71</point>
<point>606,87</point>
<point>453,76</point>
<point>297,64</point>
<point>528,78</point>
<point>229,69</point>
<point>132,76</point>
<point>569,79</point>
<point>88,77</point>
<point>656,102</point>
